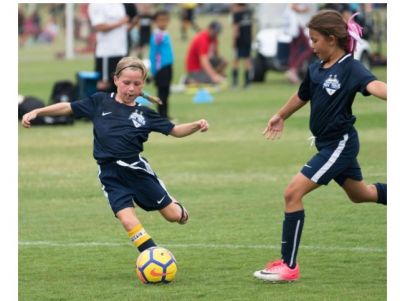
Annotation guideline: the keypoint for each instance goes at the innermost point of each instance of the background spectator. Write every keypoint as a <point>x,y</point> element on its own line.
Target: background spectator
<point>145,20</point>
<point>21,20</point>
<point>32,27</point>
<point>49,32</point>
<point>110,23</point>
<point>300,50</point>
<point>203,63</point>
<point>242,38</point>
<point>188,11</point>
<point>161,58</point>
<point>132,13</point>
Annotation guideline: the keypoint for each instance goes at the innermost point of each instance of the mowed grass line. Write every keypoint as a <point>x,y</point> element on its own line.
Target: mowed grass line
<point>231,179</point>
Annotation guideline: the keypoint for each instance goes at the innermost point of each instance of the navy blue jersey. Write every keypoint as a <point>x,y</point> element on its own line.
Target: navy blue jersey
<point>331,92</point>
<point>119,130</point>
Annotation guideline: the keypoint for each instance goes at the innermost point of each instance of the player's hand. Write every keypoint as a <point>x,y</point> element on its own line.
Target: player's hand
<point>26,119</point>
<point>102,85</point>
<point>203,125</point>
<point>218,79</point>
<point>274,127</point>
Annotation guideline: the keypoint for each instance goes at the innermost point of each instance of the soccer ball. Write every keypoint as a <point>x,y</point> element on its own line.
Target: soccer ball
<point>156,265</point>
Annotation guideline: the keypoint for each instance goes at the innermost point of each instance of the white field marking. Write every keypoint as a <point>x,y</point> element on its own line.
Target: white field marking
<point>55,244</point>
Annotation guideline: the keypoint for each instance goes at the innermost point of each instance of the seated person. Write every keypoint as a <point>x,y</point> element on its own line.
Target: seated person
<point>203,64</point>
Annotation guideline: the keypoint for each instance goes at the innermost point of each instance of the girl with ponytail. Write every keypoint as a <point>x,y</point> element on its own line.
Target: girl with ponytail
<point>330,87</point>
<point>120,127</point>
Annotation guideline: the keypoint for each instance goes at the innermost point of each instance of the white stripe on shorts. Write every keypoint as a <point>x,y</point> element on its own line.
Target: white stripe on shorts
<point>134,166</point>
<point>332,159</point>
<point>148,169</point>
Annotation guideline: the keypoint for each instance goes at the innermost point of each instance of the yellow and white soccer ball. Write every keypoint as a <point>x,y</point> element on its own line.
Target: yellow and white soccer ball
<point>156,265</point>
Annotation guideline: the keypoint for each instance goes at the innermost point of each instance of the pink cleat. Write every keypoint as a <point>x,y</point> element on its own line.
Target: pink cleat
<point>278,271</point>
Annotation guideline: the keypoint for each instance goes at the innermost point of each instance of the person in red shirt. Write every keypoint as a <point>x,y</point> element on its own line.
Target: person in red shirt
<point>203,63</point>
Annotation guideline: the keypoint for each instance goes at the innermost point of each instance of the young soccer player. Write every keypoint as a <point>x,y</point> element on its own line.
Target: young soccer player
<point>242,37</point>
<point>330,86</point>
<point>120,127</point>
<point>161,57</point>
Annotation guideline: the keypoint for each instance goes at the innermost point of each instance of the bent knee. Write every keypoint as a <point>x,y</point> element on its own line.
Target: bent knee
<point>292,195</point>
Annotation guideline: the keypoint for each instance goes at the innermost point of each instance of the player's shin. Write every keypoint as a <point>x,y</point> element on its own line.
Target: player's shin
<point>291,234</point>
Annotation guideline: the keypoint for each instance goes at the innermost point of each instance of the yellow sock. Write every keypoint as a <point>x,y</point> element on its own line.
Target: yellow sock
<point>140,238</point>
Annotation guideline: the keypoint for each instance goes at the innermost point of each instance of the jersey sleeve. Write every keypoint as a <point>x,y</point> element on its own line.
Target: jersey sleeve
<point>85,107</point>
<point>159,124</point>
<point>364,76</point>
<point>304,92</point>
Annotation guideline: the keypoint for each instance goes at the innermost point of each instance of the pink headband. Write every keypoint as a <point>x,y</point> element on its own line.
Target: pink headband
<point>355,33</point>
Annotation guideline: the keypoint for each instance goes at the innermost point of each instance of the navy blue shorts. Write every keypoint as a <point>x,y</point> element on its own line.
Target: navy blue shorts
<point>243,52</point>
<point>125,185</point>
<point>335,160</point>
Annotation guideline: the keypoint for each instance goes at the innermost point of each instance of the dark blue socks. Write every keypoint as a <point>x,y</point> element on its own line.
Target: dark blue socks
<point>291,234</point>
<point>382,193</point>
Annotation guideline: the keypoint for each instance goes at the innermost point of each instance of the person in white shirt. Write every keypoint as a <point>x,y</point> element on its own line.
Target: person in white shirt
<point>110,22</point>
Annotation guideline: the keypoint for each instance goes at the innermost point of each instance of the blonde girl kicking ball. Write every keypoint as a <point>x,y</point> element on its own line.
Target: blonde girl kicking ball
<point>120,127</point>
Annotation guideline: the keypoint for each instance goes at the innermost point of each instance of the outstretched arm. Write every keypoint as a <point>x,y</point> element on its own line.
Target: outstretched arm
<point>378,89</point>
<point>274,127</point>
<point>58,109</point>
<point>186,129</point>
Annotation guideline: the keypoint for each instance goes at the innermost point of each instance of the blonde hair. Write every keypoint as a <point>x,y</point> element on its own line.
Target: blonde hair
<point>136,64</point>
<point>132,63</point>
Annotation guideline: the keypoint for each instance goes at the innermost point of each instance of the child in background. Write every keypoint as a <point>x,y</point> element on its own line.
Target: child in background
<point>188,14</point>
<point>242,37</point>
<point>161,58</point>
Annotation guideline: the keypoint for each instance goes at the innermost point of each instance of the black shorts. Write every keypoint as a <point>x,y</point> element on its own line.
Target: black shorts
<point>126,184</point>
<point>188,14</point>
<point>106,66</point>
<point>335,160</point>
<point>163,77</point>
<point>243,52</point>
<point>144,35</point>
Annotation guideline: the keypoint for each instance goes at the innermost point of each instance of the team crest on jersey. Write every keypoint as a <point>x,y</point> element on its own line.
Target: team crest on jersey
<point>137,119</point>
<point>331,84</point>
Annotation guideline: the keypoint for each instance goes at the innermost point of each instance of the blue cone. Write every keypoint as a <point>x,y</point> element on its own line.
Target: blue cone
<point>202,96</point>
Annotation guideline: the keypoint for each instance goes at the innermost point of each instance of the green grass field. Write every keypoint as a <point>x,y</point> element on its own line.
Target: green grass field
<point>231,180</point>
